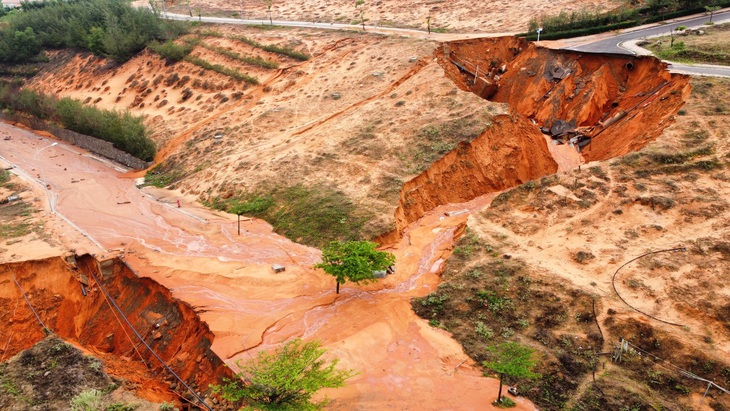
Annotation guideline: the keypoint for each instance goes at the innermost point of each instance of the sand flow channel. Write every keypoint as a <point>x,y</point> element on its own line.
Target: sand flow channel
<point>402,362</point>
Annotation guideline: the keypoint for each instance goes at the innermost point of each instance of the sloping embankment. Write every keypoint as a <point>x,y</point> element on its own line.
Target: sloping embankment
<point>56,288</point>
<point>608,105</point>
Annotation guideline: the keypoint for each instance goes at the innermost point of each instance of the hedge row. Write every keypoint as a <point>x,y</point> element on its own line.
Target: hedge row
<point>124,130</point>
<point>595,24</point>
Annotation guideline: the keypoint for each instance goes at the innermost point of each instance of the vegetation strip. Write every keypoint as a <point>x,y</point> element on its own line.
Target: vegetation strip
<point>121,128</point>
<point>233,73</point>
<point>254,61</point>
<point>272,48</point>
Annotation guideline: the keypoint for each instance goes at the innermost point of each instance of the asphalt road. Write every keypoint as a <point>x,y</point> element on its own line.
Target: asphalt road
<point>613,44</point>
<point>607,45</point>
<point>302,24</point>
<point>618,44</point>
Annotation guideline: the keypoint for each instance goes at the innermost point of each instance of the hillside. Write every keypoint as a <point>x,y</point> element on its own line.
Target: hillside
<point>459,15</point>
<point>461,159</point>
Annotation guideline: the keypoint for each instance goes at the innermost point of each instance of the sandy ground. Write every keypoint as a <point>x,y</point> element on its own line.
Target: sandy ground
<point>227,278</point>
<point>457,15</point>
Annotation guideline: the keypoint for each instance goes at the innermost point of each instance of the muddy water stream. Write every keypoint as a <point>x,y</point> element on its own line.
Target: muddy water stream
<point>403,362</point>
<point>227,279</point>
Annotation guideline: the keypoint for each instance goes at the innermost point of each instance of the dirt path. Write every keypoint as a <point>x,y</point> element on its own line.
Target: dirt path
<point>403,362</point>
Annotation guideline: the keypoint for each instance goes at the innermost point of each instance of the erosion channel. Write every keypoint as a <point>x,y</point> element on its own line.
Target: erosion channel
<point>603,105</point>
<point>559,102</point>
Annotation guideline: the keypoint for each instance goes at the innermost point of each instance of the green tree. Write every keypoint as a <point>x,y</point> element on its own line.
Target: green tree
<point>513,360</point>
<point>95,40</point>
<point>354,261</point>
<point>24,45</point>
<point>360,6</point>
<point>711,10</point>
<point>285,380</point>
<point>269,3</point>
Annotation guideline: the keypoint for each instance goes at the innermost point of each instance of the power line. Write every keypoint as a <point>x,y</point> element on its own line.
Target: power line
<point>46,329</point>
<point>613,283</point>
<point>101,286</point>
<point>625,344</point>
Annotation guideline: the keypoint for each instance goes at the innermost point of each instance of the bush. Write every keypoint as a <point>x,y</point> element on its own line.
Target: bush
<point>111,28</point>
<point>166,406</point>
<point>89,400</point>
<point>285,380</point>
<point>122,129</point>
<point>170,51</point>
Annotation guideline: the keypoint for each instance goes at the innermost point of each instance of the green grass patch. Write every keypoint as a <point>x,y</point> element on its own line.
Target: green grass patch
<point>227,71</point>
<point>505,403</point>
<point>711,48</point>
<point>252,60</point>
<point>434,141</point>
<point>15,230</point>
<point>162,175</point>
<point>4,177</point>
<point>273,48</point>
<point>314,216</point>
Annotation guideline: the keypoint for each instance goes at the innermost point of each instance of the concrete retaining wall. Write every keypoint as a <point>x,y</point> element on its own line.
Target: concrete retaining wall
<point>93,144</point>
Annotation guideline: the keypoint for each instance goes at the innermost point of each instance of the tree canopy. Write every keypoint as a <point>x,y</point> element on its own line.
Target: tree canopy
<point>511,359</point>
<point>354,261</point>
<point>285,380</point>
<point>111,28</point>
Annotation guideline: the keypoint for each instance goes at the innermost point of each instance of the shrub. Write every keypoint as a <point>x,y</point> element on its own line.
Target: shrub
<point>165,406</point>
<point>89,400</point>
<point>285,380</point>
<point>170,51</point>
<point>122,129</point>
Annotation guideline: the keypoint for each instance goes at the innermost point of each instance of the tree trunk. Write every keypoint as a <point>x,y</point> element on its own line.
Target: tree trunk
<point>499,396</point>
<point>239,224</point>
<point>338,287</point>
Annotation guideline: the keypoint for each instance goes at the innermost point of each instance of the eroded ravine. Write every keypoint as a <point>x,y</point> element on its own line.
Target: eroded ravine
<point>604,105</point>
<point>227,278</point>
<point>68,298</point>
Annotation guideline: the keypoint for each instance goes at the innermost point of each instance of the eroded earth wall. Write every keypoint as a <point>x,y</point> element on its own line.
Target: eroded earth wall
<point>604,105</point>
<point>510,152</point>
<point>55,289</point>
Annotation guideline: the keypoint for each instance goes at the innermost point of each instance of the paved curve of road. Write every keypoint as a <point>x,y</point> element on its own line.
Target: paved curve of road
<point>608,45</point>
<point>615,44</point>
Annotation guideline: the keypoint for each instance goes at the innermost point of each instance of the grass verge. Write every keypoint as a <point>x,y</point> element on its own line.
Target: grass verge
<point>227,71</point>
<point>313,216</point>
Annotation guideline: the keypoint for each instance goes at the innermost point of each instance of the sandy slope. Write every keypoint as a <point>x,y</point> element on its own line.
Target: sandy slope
<point>459,15</point>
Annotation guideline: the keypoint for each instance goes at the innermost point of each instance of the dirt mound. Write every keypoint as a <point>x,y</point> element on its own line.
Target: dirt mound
<point>604,105</point>
<point>51,373</point>
<point>510,152</point>
<point>70,302</point>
